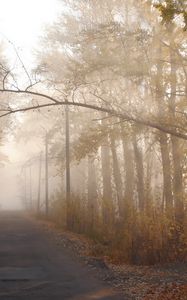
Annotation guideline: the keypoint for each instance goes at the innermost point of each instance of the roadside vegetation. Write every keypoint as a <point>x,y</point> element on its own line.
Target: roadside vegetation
<point>119,147</point>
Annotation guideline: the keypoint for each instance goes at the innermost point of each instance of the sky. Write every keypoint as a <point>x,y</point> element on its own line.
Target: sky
<point>22,22</point>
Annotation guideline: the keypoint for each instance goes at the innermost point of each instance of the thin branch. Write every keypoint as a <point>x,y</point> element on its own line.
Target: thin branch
<point>101,98</point>
<point>104,118</point>
<point>16,51</point>
<point>33,84</point>
<point>4,78</point>
<point>30,93</point>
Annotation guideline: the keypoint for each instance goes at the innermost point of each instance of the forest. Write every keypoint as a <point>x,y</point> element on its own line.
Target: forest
<point>105,105</point>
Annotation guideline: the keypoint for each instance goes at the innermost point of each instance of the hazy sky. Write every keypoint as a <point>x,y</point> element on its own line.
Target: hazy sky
<point>22,22</point>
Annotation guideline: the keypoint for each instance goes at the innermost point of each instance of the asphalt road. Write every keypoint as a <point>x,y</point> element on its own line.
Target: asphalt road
<point>33,267</point>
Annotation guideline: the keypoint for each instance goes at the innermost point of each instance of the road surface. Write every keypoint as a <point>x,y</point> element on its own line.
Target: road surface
<point>33,267</point>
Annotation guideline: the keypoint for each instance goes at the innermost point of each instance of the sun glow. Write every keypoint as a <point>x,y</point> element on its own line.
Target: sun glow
<point>22,22</point>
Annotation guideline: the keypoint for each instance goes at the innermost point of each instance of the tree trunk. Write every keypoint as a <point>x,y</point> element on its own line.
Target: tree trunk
<point>166,168</point>
<point>128,168</point>
<point>177,180</point>
<point>107,204</point>
<point>140,174</point>
<point>46,176</point>
<point>67,147</point>
<point>39,182</point>
<point>92,194</point>
<point>117,177</point>
<point>163,139</point>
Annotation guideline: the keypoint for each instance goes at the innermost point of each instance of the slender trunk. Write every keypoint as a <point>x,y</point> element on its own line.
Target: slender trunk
<point>25,188</point>
<point>68,199</point>
<point>92,194</point>
<point>46,176</point>
<point>128,168</point>
<point>107,204</point>
<point>163,140</point>
<point>39,182</point>
<point>166,169</point>
<point>176,153</point>
<point>177,180</point>
<point>117,176</point>
<point>148,179</point>
<point>140,174</point>
<point>30,205</point>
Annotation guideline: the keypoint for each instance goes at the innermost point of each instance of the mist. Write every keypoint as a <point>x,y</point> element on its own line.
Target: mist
<point>94,125</point>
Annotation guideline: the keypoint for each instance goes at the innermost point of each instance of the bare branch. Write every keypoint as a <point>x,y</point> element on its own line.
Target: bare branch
<point>4,78</point>
<point>23,66</point>
<point>30,93</point>
<point>33,84</point>
<point>122,115</point>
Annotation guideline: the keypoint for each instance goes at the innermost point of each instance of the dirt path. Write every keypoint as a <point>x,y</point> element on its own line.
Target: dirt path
<point>33,267</point>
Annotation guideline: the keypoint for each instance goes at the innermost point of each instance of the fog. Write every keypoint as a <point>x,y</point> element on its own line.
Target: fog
<point>20,167</point>
<point>95,128</point>
<point>10,190</point>
<point>24,38</point>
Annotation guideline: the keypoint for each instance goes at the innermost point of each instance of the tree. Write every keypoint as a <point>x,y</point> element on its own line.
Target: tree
<point>122,76</point>
<point>169,9</point>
